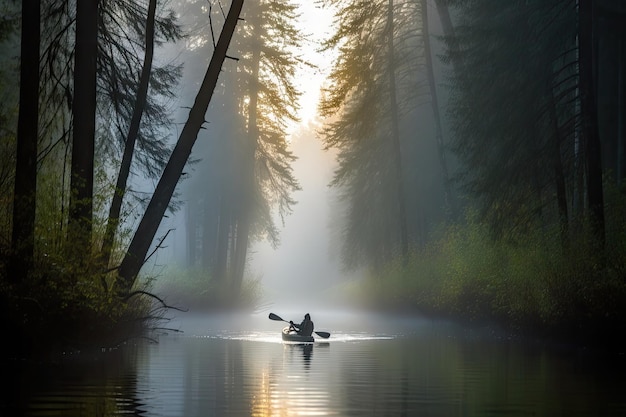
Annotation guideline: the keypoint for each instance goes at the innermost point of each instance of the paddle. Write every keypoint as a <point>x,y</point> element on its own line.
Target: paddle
<point>275,317</point>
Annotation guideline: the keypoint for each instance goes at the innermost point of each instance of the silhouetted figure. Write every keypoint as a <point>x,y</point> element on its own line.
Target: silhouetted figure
<point>305,328</point>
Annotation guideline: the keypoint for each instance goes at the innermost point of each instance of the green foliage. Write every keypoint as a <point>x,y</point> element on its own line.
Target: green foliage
<point>531,283</point>
<point>64,303</point>
<point>372,94</point>
<point>245,175</point>
<point>64,299</point>
<point>196,289</point>
<point>526,257</point>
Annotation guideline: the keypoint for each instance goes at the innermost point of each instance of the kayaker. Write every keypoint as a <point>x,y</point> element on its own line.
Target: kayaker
<point>305,328</point>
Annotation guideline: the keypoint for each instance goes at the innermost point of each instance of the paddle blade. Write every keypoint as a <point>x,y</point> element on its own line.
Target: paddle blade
<point>275,317</point>
<point>324,335</point>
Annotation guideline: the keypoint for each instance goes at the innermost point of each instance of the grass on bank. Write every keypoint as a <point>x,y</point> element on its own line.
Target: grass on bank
<point>196,290</point>
<point>532,285</point>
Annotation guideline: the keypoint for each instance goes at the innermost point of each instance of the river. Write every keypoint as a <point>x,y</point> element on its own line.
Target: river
<point>370,366</point>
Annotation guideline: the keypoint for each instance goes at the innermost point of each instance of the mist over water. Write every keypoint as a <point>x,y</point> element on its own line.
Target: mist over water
<point>346,324</point>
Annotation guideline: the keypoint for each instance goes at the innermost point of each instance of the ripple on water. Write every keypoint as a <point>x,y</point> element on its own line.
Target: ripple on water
<point>353,373</point>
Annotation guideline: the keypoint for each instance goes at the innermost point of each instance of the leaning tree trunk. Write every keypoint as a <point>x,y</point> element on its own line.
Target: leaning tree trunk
<point>149,224</point>
<point>23,234</point>
<point>589,115</point>
<point>131,138</point>
<point>84,129</point>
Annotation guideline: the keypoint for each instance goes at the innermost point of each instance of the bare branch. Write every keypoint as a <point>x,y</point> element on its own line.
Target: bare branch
<point>159,299</point>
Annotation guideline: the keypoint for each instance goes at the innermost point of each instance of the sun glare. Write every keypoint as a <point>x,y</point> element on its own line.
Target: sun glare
<point>316,25</point>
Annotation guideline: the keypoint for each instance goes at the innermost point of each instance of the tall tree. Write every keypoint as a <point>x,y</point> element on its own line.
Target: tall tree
<point>443,11</point>
<point>589,114</point>
<point>366,106</point>
<point>123,56</point>
<point>526,111</point>
<point>252,176</point>
<point>131,138</point>
<point>266,84</point>
<point>9,113</point>
<point>27,136</point>
<point>395,132</point>
<point>120,40</point>
<point>84,124</point>
<point>144,235</point>
<point>450,205</point>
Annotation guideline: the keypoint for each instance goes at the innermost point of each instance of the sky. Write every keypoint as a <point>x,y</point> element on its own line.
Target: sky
<point>317,25</point>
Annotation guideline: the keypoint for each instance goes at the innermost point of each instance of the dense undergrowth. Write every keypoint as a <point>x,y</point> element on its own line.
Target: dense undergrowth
<point>66,306</point>
<point>195,290</point>
<point>531,285</point>
<point>60,308</point>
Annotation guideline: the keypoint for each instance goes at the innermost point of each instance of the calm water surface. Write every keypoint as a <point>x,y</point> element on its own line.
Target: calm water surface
<point>368,367</point>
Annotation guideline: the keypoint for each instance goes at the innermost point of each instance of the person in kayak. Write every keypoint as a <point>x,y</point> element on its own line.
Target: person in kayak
<point>303,329</point>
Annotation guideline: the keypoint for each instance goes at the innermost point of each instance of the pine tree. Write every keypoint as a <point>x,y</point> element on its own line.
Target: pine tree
<point>373,86</point>
<point>252,175</point>
<point>24,203</point>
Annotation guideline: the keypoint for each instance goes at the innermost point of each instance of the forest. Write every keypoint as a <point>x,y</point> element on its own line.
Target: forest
<point>480,158</point>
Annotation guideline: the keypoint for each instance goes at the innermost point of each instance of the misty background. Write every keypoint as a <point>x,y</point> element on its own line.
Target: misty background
<point>475,151</point>
<point>307,259</point>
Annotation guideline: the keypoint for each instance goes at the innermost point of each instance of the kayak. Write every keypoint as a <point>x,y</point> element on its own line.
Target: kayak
<point>295,337</point>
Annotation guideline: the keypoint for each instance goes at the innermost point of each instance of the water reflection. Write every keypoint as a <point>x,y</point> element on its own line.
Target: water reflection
<point>73,385</point>
<point>428,371</point>
<point>305,350</point>
<point>292,386</point>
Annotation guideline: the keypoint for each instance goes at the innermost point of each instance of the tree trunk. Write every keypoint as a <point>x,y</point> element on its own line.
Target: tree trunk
<point>448,30</point>
<point>395,133</point>
<point>621,115</point>
<point>559,176</point>
<point>84,119</point>
<point>191,227</point>
<point>248,177</point>
<point>220,268</point>
<point>144,235</point>
<point>131,138</point>
<point>450,206</point>
<point>210,225</point>
<point>589,116</point>
<point>23,233</point>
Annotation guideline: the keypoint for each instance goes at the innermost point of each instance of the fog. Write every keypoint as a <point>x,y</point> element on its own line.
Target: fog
<point>305,268</point>
<point>306,264</point>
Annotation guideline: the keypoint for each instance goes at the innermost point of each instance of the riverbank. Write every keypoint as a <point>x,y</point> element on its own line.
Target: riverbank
<point>532,287</point>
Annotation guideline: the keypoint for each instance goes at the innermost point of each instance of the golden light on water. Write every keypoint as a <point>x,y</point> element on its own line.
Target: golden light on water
<point>288,388</point>
<point>261,400</point>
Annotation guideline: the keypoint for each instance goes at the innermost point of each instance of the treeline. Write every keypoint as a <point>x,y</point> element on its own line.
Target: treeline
<point>519,146</point>
<point>91,114</point>
<point>244,177</point>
